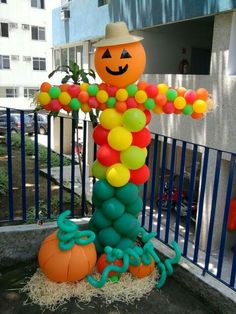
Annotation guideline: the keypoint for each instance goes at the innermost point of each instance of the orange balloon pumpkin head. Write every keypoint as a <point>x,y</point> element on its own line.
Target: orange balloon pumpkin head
<point>120,57</point>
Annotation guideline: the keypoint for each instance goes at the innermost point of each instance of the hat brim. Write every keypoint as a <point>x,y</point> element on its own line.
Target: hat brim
<point>118,41</point>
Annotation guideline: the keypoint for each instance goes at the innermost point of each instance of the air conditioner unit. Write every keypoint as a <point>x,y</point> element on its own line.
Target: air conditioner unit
<point>15,57</point>
<point>13,25</point>
<point>27,58</point>
<point>25,26</point>
<point>65,14</point>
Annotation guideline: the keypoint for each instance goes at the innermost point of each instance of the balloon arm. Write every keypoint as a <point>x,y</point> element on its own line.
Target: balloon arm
<point>145,237</point>
<point>120,269</point>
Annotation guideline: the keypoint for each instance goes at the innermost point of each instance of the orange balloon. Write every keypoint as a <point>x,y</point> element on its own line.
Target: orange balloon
<point>142,85</point>
<point>70,265</point>
<point>102,107</point>
<point>64,87</point>
<point>202,93</point>
<point>120,106</point>
<point>181,91</point>
<point>120,65</point>
<point>141,107</point>
<point>196,115</point>
<point>142,270</point>
<point>45,86</point>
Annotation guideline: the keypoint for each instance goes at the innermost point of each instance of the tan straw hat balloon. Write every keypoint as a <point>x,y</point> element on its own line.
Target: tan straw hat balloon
<point>117,34</point>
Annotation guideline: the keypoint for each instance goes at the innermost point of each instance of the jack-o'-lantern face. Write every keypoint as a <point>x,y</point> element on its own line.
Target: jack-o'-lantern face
<point>120,65</point>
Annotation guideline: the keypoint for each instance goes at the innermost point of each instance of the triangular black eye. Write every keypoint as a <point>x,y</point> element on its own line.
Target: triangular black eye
<point>106,54</point>
<point>125,54</point>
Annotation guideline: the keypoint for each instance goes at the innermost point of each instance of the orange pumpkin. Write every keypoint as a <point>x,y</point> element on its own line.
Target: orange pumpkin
<point>142,270</point>
<point>120,65</point>
<point>70,265</point>
<point>103,263</point>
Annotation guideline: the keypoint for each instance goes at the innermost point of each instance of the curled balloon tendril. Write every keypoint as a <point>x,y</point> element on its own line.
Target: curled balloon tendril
<point>134,257</point>
<point>69,234</point>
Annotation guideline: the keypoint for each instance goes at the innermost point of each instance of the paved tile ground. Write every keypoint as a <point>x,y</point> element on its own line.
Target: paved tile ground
<point>172,298</point>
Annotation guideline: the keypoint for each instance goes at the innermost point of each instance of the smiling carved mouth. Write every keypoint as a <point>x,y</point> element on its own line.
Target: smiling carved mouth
<point>122,70</point>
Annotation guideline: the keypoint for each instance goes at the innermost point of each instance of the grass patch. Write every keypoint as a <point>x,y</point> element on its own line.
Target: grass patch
<point>42,151</point>
<point>3,182</point>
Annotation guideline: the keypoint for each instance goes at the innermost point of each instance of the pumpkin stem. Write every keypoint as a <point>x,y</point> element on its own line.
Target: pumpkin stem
<point>69,235</point>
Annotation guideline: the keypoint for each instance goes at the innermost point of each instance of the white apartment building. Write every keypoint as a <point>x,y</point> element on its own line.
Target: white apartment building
<point>25,49</point>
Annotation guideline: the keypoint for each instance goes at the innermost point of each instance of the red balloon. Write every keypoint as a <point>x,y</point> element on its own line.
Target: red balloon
<point>148,116</point>
<point>131,103</point>
<point>140,175</point>
<point>103,263</point>
<point>151,90</point>
<point>100,135</point>
<point>141,138</point>
<point>55,105</point>
<point>111,90</point>
<point>73,90</point>
<point>107,156</point>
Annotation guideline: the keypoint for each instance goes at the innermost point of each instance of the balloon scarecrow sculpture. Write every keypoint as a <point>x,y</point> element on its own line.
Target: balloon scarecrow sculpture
<point>120,168</point>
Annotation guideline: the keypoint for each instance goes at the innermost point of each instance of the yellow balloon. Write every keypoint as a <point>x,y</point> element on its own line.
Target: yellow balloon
<point>199,106</point>
<point>122,94</point>
<point>102,96</point>
<point>118,175</point>
<point>119,138</point>
<point>84,86</point>
<point>145,151</point>
<point>64,98</point>
<point>44,98</point>
<point>162,88</point>
<point>140,96</point>
<point>85,108</point>
<point>110,118</point>
<point>179,102</point>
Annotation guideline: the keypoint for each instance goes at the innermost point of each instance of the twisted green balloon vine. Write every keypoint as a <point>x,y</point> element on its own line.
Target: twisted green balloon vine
<point>69,234</point>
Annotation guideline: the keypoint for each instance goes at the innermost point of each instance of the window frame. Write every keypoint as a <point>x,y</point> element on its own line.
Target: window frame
<point>27,93</point>
<point>1,35</point>
<point>1,1</point>
<point>40,4</point>
<point>2,59</point>
<point>39,60</point>
<point>38,30</point>
<point>15,91</point>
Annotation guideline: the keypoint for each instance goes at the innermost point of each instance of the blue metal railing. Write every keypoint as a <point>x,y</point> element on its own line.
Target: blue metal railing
<point>163,197</point>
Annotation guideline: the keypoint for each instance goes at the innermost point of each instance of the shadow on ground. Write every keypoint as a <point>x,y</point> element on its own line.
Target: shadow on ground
<point>172,298</point>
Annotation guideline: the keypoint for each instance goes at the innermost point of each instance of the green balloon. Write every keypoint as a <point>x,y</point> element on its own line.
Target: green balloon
<point>125,243</point>
<point>75,104</point>
<point>127,225</point>
<point>92,227</point>
<point>149,104</point>
<point>188,109</point>
<point>133,157</point>
<point>111,101</point>
<point>92,90</point>
<point>99,247</point>
<point>132,89</point>
<point>99,221</point>
<point>171,94</point>
<point>54,91</point>
<point>96,201</point>
<point>135,207</point>
<point>109,237</point>
<point>134,119</point>
<point>103,190</point>
<point>127,194</point>
<point>98,170</point>
<point>112,208</point>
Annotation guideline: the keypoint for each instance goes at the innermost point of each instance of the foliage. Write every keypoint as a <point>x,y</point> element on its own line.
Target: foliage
<point>3,182</point>
<point>3,150</point>
<point>74,73</point>
<point>42,151</point>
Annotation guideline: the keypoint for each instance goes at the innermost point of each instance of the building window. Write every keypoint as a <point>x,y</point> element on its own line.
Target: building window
<point>30,92</point>
<point>64,58</point>
<point>4,62</point>
<point>57,62</point>
<point>4,30</point>
<point>39,64</point>
<point>12,92</point>
<point>38,33</point>
<point>37,4</point>
<point>3,1</point>
<point>102,2</point>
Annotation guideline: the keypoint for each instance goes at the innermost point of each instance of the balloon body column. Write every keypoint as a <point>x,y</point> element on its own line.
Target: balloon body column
<point>122,138</point>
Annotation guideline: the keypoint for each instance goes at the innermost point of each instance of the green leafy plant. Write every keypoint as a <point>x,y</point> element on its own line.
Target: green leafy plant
<point>3,182</point>
<point>73,73</point>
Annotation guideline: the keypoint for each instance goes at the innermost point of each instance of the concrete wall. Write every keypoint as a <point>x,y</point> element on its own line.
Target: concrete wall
<point>138,15</point>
